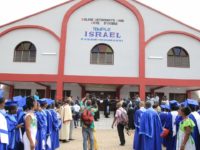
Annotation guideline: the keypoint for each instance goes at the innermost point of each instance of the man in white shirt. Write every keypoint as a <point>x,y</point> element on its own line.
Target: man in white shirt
<point>76,114</point>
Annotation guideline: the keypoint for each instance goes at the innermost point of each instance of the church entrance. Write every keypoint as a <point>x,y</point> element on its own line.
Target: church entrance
<point>102,95</point>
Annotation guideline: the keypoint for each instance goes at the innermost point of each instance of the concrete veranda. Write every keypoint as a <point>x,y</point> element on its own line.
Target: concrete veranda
<point>106,136</point>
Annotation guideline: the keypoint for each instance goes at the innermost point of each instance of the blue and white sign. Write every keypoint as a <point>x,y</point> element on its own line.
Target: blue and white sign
<point>102,31</point>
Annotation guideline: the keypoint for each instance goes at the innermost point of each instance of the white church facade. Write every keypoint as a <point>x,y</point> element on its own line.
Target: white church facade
<point>115,47</point>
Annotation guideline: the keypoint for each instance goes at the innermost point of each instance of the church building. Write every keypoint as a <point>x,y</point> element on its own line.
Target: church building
<point>119,48</point>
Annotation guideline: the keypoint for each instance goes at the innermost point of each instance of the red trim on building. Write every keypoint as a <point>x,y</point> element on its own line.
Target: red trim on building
<point>142,91</point>
<point>167,16</point>
<point>118,91</point>
<point>64,39</point>
<point>61,62</point>
<point>101,80</point>
<point>61,78</point>
<point>11,91</point>
<point>28,77</point>
<point>172,82</point>
<point>35,13</point>
<point>172,32</point>
<point>137,14</point>
<point>30,27</point>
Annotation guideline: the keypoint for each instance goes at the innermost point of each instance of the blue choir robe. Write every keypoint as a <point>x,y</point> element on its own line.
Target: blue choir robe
<point>3,131</point>
<point>49,129</point>
<point>19,131</point>
<point>150,128</point>
<point>42,129</point>
<point>12,123</point>
<point>163,118</point>
<point>55,130</point>
<point>196,131</point>
<point>137,136</point>
<point>170,140</point>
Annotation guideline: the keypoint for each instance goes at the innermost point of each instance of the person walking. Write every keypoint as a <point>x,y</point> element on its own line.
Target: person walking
<point>120,120</point>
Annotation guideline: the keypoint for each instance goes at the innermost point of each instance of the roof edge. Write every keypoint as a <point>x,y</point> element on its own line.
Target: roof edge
<point>193,28</point>
<point>37,13</point>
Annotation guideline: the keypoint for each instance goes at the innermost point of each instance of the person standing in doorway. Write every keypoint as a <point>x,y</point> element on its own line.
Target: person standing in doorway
<point>107,107</point>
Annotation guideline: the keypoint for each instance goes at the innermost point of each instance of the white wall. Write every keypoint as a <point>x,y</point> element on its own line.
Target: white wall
<point>74,88</point>
<point>28,85</point>
<point>5,88</point>
<point>51,19</point>
<point>125,53</point>
<point>168,90</point>
<point>155,22</point>
<point>195,95</point>
<point>159,47</point>
<point>95,87</point>
<point>125,91</point>
<point>44,43</point>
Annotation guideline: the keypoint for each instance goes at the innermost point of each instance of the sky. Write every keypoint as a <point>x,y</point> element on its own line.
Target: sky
<point>186,11</point>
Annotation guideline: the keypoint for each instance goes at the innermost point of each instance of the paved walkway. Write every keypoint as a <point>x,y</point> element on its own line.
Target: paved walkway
<point>106,136</point>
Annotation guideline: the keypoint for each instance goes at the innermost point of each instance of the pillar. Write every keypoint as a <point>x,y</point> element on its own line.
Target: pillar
<point>142,92</point>
<point>11,91</point>
<point>59,90</point>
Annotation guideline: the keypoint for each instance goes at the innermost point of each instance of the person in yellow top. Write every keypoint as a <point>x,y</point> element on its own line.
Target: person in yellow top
<point>184,138</point>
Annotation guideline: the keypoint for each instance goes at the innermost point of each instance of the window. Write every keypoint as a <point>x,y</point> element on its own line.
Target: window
<point>178,57</point>
<point>102,54</point>
<point>66,93</point>
<point>41,93</point>
<point>22,92</point>
<point>25,52</point>
<point>177,96</point>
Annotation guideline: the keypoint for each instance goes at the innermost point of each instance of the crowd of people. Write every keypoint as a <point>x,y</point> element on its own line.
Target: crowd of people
<point>31,123</point>
<point>173,125</point>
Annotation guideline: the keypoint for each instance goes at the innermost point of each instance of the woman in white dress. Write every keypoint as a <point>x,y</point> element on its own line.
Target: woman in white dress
<point>184,137</point>
<point>29,137</point>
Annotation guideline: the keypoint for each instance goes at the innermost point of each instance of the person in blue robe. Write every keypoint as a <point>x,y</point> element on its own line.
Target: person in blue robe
<point>163,117</point>
<point>170,139</point>
<point>19,131</point>
<point>21,101</point>
<point>56,127</point>
<point>150,129</point>
<point>137,117</point>
<point>12,123</point>
<point>42,126</point>
<point>194,115</point>
<point>49,125</point>
<point>3,125</point>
